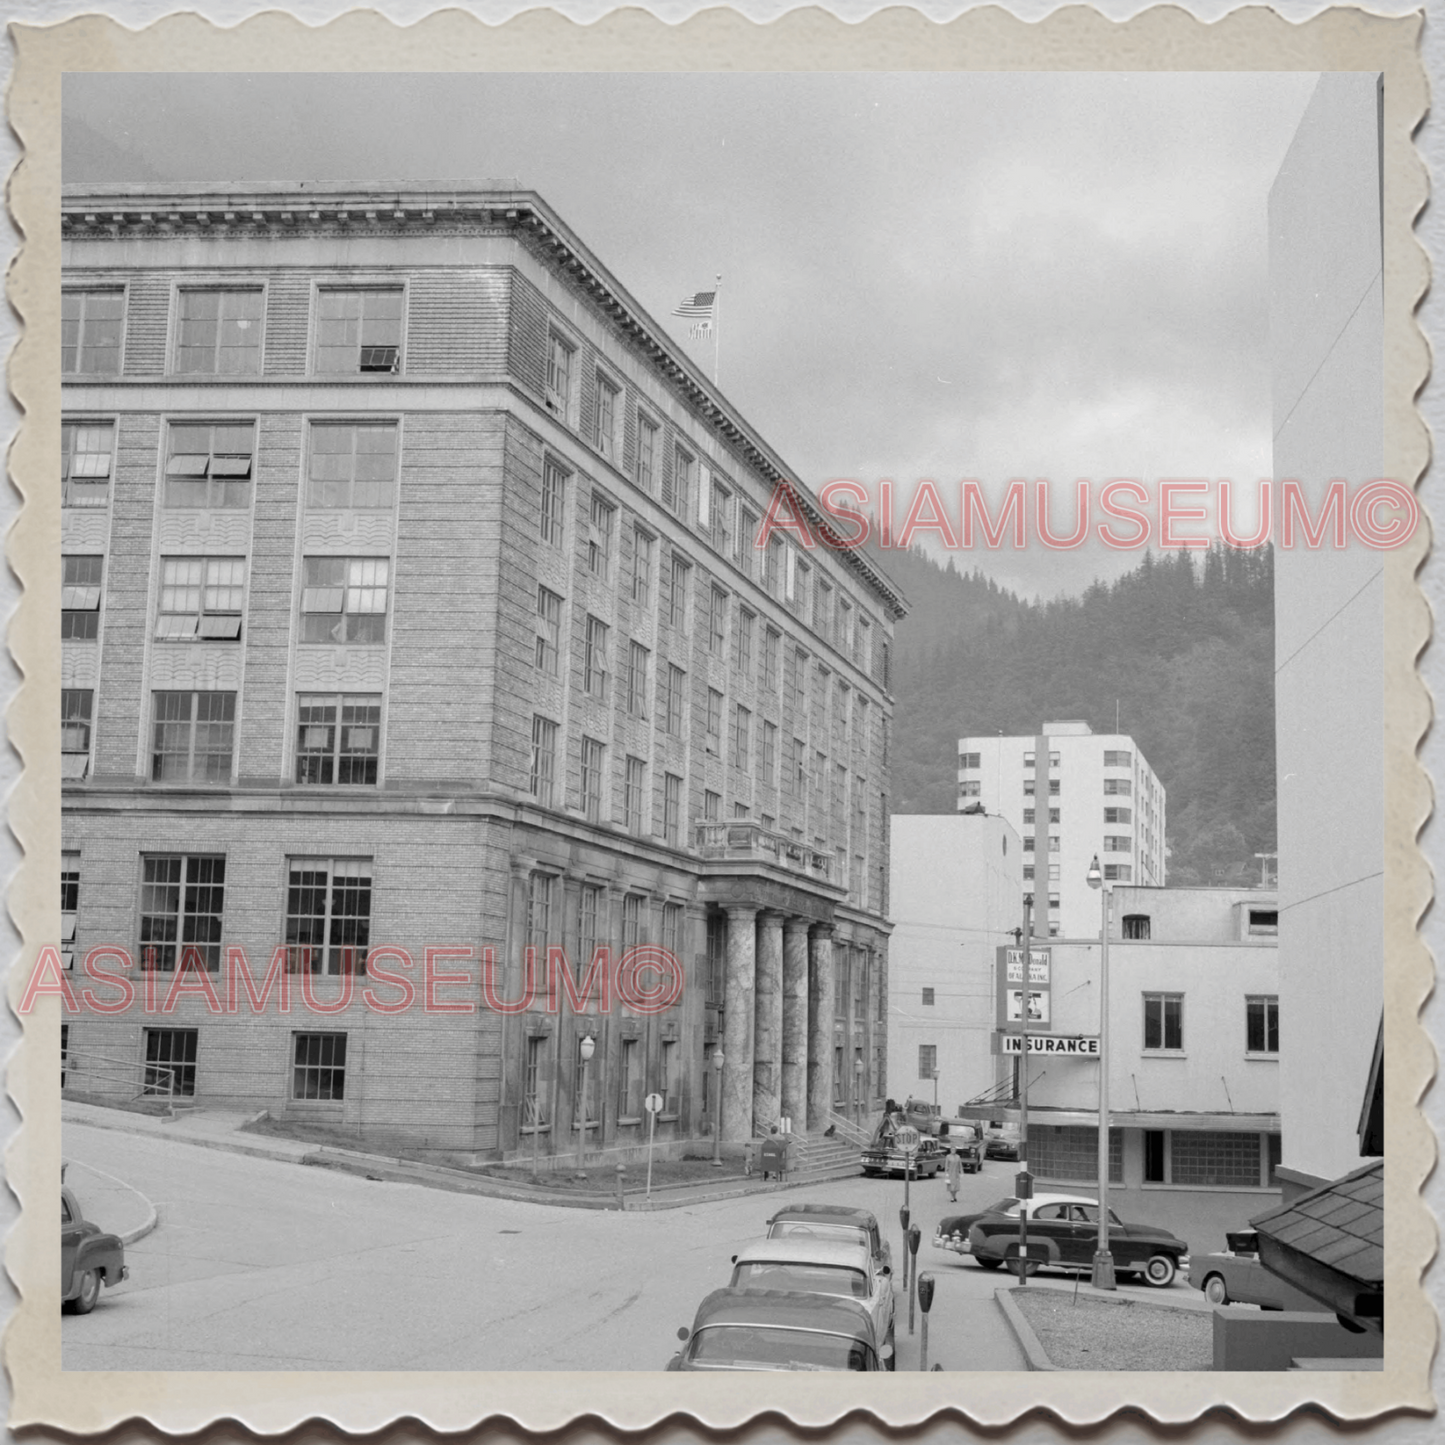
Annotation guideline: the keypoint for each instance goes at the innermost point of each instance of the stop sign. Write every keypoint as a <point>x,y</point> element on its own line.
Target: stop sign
<point>907,1138</point>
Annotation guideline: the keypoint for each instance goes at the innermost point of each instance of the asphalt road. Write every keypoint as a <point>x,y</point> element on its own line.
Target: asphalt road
<point>259,1265</point>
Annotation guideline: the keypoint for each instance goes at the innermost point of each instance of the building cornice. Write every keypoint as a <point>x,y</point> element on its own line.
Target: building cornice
<point>379,209</point>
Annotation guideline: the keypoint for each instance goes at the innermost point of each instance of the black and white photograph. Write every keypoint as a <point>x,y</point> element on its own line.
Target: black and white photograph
<point>727,722</point>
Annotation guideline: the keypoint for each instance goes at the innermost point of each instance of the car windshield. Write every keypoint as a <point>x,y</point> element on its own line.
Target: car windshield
<point>799,1229</point>
<point>767,1347</point>
<point>1001,1206</point>
<point>811,1278</point>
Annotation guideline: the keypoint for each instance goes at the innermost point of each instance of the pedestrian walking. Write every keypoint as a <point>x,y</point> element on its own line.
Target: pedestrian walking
<point>952,1169</point>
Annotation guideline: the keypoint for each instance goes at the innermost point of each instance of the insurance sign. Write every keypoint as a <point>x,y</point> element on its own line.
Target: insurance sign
<point>1079,1046</point>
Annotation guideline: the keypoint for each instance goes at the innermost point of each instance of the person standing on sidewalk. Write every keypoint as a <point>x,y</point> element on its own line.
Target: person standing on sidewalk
<point>952,1169</point>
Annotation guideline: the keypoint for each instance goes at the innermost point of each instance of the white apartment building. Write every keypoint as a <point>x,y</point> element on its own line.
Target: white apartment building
<point>1104,799</point>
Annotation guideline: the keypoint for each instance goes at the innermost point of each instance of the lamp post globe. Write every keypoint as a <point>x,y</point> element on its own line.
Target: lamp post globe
<point>587,1048</point>
<point>1103,1272</point>
<point>717,1069</point>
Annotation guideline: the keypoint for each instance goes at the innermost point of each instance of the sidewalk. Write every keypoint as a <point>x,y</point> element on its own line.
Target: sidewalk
<point>222,1129</point>
<point>117,1207</point>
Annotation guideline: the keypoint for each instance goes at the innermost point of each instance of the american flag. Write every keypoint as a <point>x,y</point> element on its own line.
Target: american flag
<point>699,305</point>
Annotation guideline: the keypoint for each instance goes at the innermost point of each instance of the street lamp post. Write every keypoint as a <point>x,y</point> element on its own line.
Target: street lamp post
<point>717,1068</point>
<point>935,1088</point>
<point>588,1047</point>
<point>1103,1275</point>
<point>858,1086</point>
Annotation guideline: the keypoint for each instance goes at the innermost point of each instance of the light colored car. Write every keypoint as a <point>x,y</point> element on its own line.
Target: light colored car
<point>758,1329</point>
<point>844,1268</point>
<point>89,1257</point>
<point>1236,1277</point>
<point>832,1221</point>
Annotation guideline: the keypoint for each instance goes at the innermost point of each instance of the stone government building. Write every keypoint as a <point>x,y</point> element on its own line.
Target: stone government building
<point>409,600</point>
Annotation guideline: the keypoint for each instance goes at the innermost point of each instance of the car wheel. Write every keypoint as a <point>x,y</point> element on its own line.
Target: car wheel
<point>85,1301</point>
<point>987,1263</point>
<point>1215,1290</point>
<point>891,1363</point>
<point>1159,1271</point>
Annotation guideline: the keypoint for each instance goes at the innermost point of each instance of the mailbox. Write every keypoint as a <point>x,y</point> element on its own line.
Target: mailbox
<point>1024,1184</point>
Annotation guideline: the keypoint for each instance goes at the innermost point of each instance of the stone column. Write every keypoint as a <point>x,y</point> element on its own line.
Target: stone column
<point>820,1027</point>
<point>795,1022</point>
<point>737,1042</point>
<point>768,1017</point>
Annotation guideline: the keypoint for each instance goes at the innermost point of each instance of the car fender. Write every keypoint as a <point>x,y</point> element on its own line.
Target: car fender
<point>102,1252</point>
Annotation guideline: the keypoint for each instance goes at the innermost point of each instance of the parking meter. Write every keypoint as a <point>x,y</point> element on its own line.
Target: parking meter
<point>1024,1184</point>
<point>915,1234</point>
<point>903,1217</point>
<point>925,1303</point>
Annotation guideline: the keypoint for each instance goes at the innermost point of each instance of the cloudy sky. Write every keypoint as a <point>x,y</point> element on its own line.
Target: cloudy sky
<point>924,276</point>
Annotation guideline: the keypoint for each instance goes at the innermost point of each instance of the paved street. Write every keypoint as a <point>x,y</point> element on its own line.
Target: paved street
<point>260,1265</point>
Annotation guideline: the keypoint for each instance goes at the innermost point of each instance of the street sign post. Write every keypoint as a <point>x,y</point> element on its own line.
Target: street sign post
<point>653,1104</point>
<point>907,1138</point>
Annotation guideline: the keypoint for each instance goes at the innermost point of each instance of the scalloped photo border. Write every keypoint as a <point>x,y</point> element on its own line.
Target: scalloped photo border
<point>1166,38</point>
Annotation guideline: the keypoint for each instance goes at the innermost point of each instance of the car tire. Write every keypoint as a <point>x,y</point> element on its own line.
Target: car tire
<point>1215,1290</point>
<point>89,1292</point>
<point>987,1263</point>
<point>891,1363</point>
<point>1159,1271</point>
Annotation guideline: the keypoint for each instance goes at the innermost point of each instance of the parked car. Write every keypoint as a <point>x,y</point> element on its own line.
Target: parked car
<point>832,1221</point>
<point>89,1257</point>
<point>1062,1234</point>
<point>822,1266</point>
<point>925,1117</point>
<point>1001,1142</point>
<point>883,1156</point>
<point>757,1329</point>
<point>1236,1277</point>
<point>952,1231</point>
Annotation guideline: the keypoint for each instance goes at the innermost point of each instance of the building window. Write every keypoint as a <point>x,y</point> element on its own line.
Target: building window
<point>721,507</point>
<point>560,356</point>
<point>328,915</point>
<point>969,788</point>
<point>210,465</point>
<point>642,545</point>
<point>629,1092</point>
<point>1118,815</point>
<point>358,331</point>
<point>632,796</point>
<point>599,535</point>
<point>319,1066</point>
<point>80,579</point>
<point>544,760</point>
<point>220,333</point>
<point>64,1048</point>
<point>171,1062</point>
<point>1136,925</point>
<point>1118,787</point>
<point>202,599</point>
<point>672,928</point>
<point>673,700</point>
<point>338,738</point>
<point>769,768</point>
<point>85,458</point>
<point>343,599</point>
<point>181,902</point>
<point>668,1082</point>
<point>1263,922</point>
<point>1118,843</point>
<point>594,658</point>
<point>76,705</point>
<point>798,768</point>
<point>1071,1151</point>
<point>717,622</point>
<point>541,891</point>
<point>927,1060</point>
<point>646,453</point>
<point>1118,759</point>
<point>713,740</point>
<point>678,488</point>
<point>1261,1024</point>
<point>534,1104</point>
<point>747,533</point>
<point>742,736</point>
<point>553,490</point>
<point>743,642</point>
<point>193,738</point>
<point>771,642</point>
<point>1119,872</point>
<point>91,323</point>
<point>711,806</point>
<point>968,760</point>
<point>588,912</point>
<point>351,467</point>
<point>593,754</point>
<point>1164,1021</point>
<point>631,921</point>
<point>1213,1157</point>
<point>605,431</point>
<point>677,591</point>
<point>636,679</point>
<point>823,609</point>
<point>773,566</point>
<point>549,630</point>
<point>1028,867</point>
<point>69,905</point>
<point>863,645</point>
<point>928,998</point>
<point>672,809</point>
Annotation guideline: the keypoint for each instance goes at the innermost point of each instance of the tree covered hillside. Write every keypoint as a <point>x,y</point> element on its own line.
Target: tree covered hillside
<point>1183,644</point>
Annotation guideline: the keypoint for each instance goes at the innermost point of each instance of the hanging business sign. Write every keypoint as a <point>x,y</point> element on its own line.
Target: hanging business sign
<point>1077,1046</point>
<point>1022,986</point>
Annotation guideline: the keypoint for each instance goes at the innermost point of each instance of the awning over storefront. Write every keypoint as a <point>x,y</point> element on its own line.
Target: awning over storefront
<point>1330,1243</point>
<point>1006,1111</point>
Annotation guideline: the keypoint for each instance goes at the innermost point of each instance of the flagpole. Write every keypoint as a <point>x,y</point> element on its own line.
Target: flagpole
<point>716,326</point>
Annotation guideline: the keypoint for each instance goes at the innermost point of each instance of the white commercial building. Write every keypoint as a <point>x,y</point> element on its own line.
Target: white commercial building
<point>1104,799</point>
<point>956,883</point>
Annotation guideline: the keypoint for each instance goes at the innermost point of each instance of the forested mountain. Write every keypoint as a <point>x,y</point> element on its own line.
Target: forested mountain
<point>1183,645</point>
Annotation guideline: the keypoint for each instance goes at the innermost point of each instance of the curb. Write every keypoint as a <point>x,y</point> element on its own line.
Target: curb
<point>1023,1332</point>
<point>152,1218</point>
